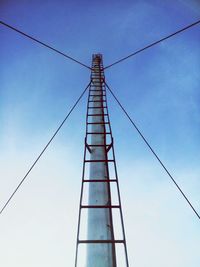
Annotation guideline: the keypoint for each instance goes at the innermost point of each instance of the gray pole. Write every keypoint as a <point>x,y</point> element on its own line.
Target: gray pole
<point>98,155</point>
<point>100,225</point>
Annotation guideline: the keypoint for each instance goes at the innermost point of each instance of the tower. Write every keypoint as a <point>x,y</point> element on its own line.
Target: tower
<point>100,176</point>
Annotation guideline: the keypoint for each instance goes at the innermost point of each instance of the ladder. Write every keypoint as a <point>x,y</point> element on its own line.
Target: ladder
<point>99,159</point>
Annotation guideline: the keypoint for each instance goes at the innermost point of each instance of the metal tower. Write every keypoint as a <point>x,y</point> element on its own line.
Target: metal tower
<point>99,176</point>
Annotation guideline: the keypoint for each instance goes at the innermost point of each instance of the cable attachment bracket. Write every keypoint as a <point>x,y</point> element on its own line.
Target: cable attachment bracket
<point>109,146</point>
<point>87,146</point>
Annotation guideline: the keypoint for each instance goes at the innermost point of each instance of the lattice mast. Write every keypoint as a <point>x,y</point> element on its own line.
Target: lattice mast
<point>101,242</point>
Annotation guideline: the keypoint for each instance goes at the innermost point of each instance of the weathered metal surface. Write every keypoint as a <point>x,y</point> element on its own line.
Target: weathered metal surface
<point>100,240</point>
<point>100,225</point>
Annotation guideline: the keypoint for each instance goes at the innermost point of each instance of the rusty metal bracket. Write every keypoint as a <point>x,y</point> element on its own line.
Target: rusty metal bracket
<point>87,146</point>
<point>109,147</point>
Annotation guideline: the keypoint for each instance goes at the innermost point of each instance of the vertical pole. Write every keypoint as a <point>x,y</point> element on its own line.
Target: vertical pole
<point>98,155</point>
<point>100,225</point>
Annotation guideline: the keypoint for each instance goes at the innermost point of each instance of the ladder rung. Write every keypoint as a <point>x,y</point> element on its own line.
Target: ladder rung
<point>99,160</point>
<point>97,82</point>
<point>97,123</point>
<point>105,114</point>
<point>98,133</point>
<point>97,107</point>
<point>99,206</point>
<point>100,241</point>
<point>98,90</point>
<point>98,95</point>
<point>99,181</point>
<point>96,68</point>
<point>97,101</point>
<point>97,145</point>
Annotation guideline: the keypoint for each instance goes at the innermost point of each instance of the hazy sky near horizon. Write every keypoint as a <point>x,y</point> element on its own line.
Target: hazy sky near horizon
<point>160,90</point>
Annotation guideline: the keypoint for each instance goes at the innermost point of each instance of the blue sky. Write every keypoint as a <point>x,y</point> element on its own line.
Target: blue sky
<point>160,90</point>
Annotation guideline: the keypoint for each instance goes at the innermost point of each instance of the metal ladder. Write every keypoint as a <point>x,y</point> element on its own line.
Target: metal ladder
<point>97,100</point>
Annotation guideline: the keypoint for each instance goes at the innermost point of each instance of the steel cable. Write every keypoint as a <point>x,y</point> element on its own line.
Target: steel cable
<point>152,150</point>
<point>45,45</point>
<point>44,149</point>
<point>152,44</point>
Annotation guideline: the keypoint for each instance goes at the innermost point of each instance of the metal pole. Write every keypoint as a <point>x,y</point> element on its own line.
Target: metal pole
<point>100,225</point>
<point>98,155</point>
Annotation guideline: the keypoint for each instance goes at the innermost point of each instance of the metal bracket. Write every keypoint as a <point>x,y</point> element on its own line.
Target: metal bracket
<point>109,147</point>
<point>87,146</point>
